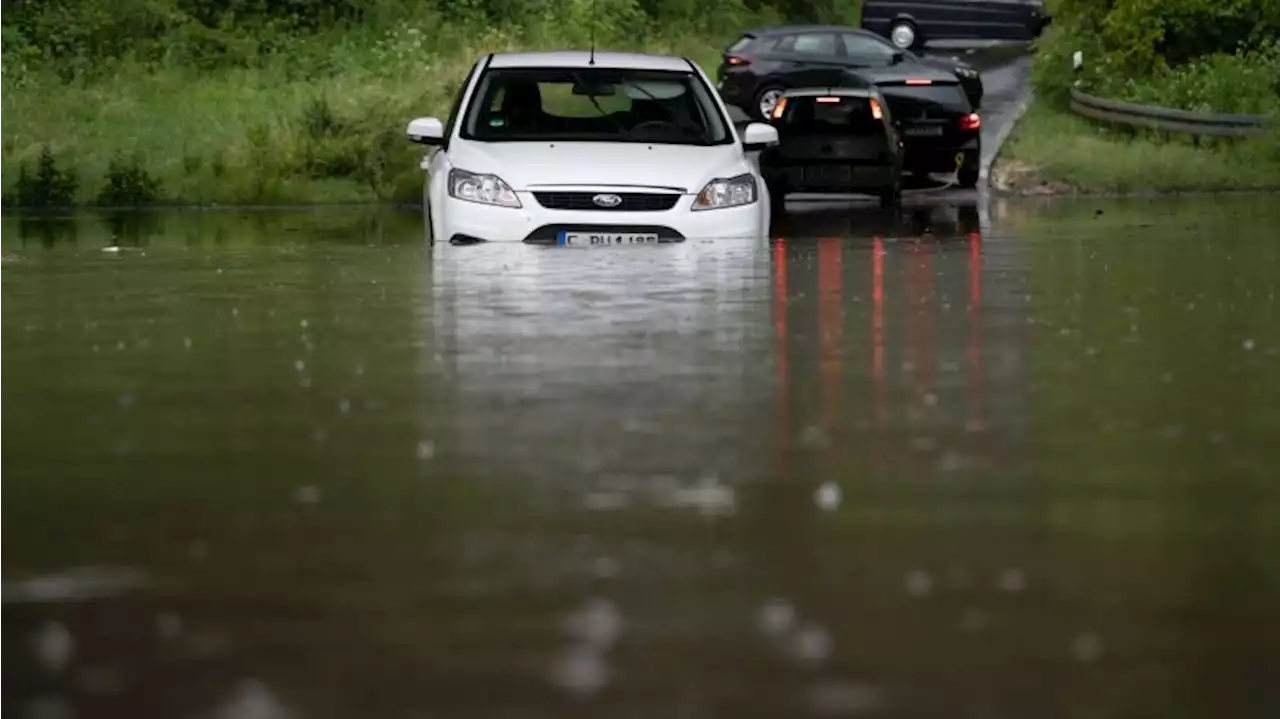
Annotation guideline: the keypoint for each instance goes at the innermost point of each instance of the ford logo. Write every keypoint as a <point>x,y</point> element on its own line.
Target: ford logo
<point>607,200</point>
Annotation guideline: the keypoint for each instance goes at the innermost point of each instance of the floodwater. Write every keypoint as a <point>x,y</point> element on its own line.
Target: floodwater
<point>1011,462</point>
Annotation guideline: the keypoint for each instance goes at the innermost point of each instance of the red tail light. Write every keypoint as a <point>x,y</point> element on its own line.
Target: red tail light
<point>972,121</point>
<point>780,108</point>
<point>876,112</point>
<point>736,61</point>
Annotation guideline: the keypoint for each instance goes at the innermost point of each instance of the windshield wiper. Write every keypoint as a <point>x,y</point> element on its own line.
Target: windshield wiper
<point>596,104</point>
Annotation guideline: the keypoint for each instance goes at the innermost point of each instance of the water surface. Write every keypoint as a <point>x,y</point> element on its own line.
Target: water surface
<point>941,464</point>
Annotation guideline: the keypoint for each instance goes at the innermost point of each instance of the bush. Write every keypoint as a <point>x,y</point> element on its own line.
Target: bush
<point>50,186</point>
<point>128,184</point>
<point>1208,55</point>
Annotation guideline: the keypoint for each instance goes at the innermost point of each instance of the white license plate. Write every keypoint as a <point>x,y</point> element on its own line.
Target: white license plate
<point>924,131</point>
<point>600,239</point>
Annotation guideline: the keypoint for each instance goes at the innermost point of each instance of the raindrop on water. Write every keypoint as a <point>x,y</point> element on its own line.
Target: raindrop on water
<point>775,616</point>
<point>1086,647</point>
<point>598,624</point>
<point>168,625</point>
<point>426,449</point>
<point>581,670</point>
<point>812,643</point>
<point>919,583</point>
<point>344,405</point>
<point>931,399</point>
<point>307,494</point>
<point>845,698</point>
<point>1012,580</point>
<point>302,324</point>
<point>186,342</point>
<point>828,496</point>
<point>605,567</point>
<point>1248,345</point>
<point>53,646</point>
<point>299,365</point>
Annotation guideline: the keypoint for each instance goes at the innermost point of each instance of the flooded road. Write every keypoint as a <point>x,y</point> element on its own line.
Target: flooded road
<point>951,463</point>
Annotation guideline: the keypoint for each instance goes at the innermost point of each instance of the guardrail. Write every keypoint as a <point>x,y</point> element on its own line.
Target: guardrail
<point>1164,119</point>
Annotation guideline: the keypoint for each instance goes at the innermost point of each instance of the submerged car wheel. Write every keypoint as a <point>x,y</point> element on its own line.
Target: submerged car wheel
<point>903,35</point>
<point>767,99</point>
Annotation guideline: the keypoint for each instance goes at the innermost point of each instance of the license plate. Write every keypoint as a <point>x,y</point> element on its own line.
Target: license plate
<point>598,239</point>
<point>924,131</point>
<point>831,175</point>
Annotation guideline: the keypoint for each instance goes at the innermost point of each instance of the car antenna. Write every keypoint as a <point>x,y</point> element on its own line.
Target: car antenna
<point>592,61</point>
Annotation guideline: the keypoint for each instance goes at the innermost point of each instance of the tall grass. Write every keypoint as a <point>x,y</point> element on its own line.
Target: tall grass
<point>319,121</point>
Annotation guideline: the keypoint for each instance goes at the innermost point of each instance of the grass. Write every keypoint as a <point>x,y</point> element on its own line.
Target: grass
<point>1053,151</point>
<point>324,125</point>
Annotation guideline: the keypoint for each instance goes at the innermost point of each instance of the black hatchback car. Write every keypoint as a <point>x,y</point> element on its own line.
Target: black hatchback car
<point>836,140</point>
<point>912,23</point>
<point>762,64</point>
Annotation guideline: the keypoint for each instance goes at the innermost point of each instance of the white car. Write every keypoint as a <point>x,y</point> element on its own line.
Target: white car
<point>582,148</point>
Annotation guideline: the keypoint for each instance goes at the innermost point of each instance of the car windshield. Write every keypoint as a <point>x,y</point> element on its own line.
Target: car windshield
<point>840,115</point>
<point>946,96</point>
<point>594,105</point>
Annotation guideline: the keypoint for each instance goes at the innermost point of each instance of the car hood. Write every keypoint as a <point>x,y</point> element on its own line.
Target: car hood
<point>525,165</point>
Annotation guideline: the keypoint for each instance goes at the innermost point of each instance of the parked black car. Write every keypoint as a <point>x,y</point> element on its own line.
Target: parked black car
<point>940,129</point>
<point>837,140</point>
<point>758,67</point>
<point>909,24</point>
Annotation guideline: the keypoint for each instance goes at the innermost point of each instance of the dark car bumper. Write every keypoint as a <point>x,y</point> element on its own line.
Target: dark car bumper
<point>829,176</point>
<point>923,157</point>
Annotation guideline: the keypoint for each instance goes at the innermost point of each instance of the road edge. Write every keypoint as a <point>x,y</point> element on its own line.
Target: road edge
<point>984,172</point>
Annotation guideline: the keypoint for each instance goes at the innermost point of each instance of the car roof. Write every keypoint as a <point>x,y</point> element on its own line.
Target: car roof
<point>583,58</point>
<point>787,29</point>
<point>828,91</point>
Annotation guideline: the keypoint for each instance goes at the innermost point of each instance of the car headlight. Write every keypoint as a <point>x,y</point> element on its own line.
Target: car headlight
<point>484,189</point>
<point>966,73</point>
<point>731,192</point>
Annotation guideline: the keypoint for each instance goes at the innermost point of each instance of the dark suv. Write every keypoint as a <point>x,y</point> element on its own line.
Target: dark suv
<point>838,140</point>
<point>763,63</point>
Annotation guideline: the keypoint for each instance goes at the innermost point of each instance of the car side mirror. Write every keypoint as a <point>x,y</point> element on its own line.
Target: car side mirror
<point>425,131</point>
<point>758,136</point>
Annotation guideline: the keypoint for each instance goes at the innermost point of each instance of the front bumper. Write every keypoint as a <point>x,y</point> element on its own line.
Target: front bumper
<point>462,221</point>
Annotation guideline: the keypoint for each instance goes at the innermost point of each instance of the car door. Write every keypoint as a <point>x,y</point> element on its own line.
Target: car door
<point>812,59</point>
<point>994,19</point>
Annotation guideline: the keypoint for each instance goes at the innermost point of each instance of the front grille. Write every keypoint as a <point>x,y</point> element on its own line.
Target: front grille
<point>631,201</point>
<point>546,235</point>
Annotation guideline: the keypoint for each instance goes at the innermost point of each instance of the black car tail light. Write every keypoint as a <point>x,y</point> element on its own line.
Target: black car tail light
<point>736,61</point>
<point>972,121</point>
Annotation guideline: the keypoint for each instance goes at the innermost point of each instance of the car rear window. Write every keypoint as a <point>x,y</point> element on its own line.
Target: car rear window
<point>740,44</point>
<point>836,115</point>
<point>948,96</point>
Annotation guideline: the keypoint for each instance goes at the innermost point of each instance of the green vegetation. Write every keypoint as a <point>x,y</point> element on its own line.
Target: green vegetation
<point>284,101</point>
<point>1200,55</point>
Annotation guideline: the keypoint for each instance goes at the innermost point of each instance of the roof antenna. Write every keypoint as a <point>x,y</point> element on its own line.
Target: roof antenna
<point>592,61</point>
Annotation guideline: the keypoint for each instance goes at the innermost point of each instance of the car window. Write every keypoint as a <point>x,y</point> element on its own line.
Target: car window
<point>830,116</point>
<point>809,43</point>
<point>911,99</point>
<point>867,49</point>
<point>595,105</point>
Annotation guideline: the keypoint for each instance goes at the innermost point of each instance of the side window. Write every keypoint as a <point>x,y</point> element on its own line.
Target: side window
<point>809,43</point>
<point>865,49</point>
